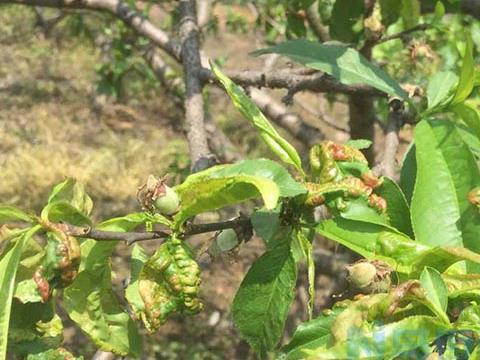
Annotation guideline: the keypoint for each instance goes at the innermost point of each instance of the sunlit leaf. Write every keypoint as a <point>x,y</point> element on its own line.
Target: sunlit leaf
<point>311,335</point>
<point>467,75</point>
<point>398,211</point>
<point>63,211</point>
<point>74,193</point>
<point>11,213</point>
<point>279,146</point>
<point>440,88</point>
<point>199,194</point>
<point>359,144</point>
<point>345,64</point>
<point>470,116</point>
<point>8,268</point>
<point>385,341</point>
<point>403,254</point>
<point>90,300</point>
<point>441,212</point>
<point>435,291</point>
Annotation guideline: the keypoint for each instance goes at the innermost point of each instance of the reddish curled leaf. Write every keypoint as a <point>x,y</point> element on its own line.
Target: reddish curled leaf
<point>347,187</point>
<point>474,196</point>
<point>42,284</point>
<point>322,164</point>
<point>60,263</point>
<point>377,202</point>
<point>345,153</point>
<point>371,180</point>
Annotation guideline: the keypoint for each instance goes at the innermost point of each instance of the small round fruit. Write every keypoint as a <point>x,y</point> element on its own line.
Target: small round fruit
<point>168,203</point>
<point>227,239</point>
<point>361,274</point>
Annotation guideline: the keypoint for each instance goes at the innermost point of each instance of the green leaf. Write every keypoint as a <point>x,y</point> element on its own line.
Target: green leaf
<point>199,194</point>
<point>409,172</point>
<point>410,13</point>
<point>266,224</point>
<point>441,212</point>
<point>390,10</point>
<point>26,289</point>
<point>138,259</point>
<point>398,211</point>
<point>359,144</point>
<point>459,284</point>
<point>377,242</point>
<point>469,318</point>
<point>74,193</point>
<point>90,301</point>
<point>359,210</point>
<point>8,268</point>
<point>131,221</point>
<point>385,341</point>
<point>475,355</point>
<point>11,213</point>
<point>307,248</point>
<point>281,147</point>
<point>471,139</point>
<point>345,64</point>
<point>263,168</point>
<point>469,115</point>
<point>441,258</point>
<point>439,12</point>
<point>346,21</point>
<point>63,211</point>
<point>261,304</point>
<point>34,327</point>
<point>467,75</point>
<point>440,88</point>
<point>311,335</point>
<point>435,291</point>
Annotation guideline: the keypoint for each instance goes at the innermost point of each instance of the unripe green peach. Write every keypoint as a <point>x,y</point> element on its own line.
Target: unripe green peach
<point>361,274</point>
<point>225,240</point>
<point>168,203</point>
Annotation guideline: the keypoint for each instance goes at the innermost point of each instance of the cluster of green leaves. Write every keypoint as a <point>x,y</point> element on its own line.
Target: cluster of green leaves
<point>160,285</point>
<point>428,236</point>
<point>123,71</point>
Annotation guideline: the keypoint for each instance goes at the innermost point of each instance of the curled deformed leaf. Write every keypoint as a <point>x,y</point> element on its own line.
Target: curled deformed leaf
<point>169,282</point>
<point>199,194</point>
<point>59,265</point>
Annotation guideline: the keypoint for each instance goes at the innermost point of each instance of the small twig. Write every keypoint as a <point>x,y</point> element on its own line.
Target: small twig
<point>313,19</point>
<point>294,79</point>
<point>290,121</point>
<point>401,34</point>
<point>240,222</point>
<point>387,166</point>
<point>328,120</point>
<point>132,237</point>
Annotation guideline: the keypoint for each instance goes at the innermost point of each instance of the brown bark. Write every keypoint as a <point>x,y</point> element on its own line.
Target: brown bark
<point>200,154</point>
